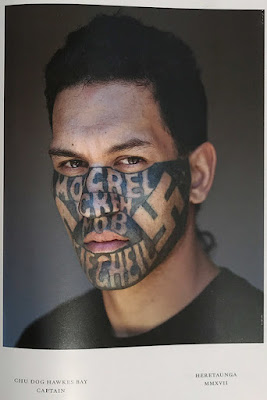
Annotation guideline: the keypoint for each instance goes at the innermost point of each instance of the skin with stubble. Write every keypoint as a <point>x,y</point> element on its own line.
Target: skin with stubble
<point>126,198</point>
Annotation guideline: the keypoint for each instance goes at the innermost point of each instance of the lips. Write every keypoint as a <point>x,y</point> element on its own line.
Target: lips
<point>105,242</point>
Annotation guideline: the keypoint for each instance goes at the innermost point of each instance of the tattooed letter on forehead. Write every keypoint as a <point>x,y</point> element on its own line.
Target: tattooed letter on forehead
<point>148,209</point>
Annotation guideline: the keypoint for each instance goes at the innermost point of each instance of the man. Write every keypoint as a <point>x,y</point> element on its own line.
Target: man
<point>131,165</point>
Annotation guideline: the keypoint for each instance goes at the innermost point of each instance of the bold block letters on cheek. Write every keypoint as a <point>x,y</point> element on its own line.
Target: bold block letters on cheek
<point>149,208</point>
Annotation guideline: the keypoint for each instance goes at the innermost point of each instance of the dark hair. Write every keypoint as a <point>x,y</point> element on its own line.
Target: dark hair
<point>114,48</point>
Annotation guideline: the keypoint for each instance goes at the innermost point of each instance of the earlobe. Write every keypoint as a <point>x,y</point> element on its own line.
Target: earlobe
<point>202,164</point>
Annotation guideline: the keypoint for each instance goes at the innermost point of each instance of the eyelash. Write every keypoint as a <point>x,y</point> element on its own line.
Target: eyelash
<point>139,159</point>
<point>68,167</point>
<point>64,164</point>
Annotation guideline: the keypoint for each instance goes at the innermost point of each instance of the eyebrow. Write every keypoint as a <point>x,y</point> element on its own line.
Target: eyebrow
<point>130,144</point>
<point>55,151</point>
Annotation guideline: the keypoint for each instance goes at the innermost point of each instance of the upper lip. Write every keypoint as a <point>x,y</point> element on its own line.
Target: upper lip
<point>106,236</point>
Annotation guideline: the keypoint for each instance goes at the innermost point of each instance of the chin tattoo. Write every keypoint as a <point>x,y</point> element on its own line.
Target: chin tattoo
<point>149,208</point>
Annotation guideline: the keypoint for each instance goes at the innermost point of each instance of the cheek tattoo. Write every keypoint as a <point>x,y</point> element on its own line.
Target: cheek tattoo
<point>148,209</point>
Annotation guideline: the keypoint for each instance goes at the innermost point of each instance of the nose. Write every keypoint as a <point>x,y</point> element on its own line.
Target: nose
<point>97,200</point>
<point>98,204</point>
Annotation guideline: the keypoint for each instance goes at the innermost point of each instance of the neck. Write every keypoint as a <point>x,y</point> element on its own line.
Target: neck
<point>164,292</point>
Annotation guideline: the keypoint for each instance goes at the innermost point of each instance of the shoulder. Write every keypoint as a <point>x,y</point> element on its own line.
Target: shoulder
<point>231,287</point>
<point>71,325</point>
<point>237,309</point>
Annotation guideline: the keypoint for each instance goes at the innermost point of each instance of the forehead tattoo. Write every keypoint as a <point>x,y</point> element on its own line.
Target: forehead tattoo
<point>149,208</point>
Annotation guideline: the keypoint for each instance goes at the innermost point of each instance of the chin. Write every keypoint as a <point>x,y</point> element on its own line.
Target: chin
<point>117,270</point>
<point>112,280</point>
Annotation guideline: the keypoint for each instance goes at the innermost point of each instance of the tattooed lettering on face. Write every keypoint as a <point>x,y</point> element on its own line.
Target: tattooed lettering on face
<point>144,212</point>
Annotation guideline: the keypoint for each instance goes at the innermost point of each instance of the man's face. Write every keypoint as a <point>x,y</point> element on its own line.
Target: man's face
<point>120,193</point>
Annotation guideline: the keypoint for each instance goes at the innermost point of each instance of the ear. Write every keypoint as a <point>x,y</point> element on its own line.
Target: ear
<point>202,164</point>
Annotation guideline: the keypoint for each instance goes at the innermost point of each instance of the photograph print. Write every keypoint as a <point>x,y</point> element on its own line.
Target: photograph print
<point>133,212</point>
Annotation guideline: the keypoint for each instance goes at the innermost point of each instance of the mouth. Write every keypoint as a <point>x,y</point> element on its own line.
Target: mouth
<point>105,242</point>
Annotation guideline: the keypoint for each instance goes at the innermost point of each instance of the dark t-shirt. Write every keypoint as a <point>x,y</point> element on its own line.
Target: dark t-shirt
<point>229,310</point>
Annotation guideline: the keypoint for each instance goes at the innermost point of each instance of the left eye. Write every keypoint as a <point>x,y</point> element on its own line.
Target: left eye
<point>131,160</point>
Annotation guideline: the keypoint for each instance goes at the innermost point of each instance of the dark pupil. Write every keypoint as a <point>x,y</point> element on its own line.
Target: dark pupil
<point>75,164</point>
<point>133,160</point>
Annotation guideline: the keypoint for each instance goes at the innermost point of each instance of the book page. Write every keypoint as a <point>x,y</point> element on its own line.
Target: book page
<point>41,272</point>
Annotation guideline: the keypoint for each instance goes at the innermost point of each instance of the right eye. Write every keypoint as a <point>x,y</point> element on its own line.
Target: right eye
<point>74,163</point>
<point>73,167</point>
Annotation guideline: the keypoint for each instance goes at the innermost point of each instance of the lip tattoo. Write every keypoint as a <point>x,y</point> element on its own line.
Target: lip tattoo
<point>123,225</point>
